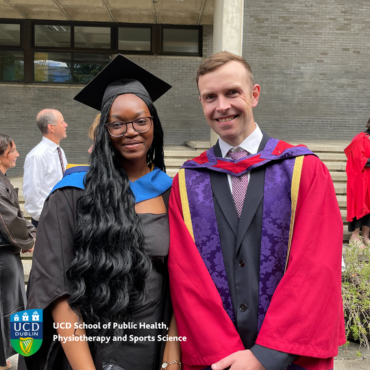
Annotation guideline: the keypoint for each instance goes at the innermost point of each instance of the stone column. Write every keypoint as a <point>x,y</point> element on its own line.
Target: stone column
<point>227,31</point>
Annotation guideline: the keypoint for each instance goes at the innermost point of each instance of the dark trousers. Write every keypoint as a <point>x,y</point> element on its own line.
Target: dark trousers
<point>34,222</point>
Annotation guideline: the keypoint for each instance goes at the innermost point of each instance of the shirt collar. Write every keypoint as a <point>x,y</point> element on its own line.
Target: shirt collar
<point>50,143</point>
<point>250,144</point>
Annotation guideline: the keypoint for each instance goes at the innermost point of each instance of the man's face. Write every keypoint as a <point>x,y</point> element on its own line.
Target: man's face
<point>227,98</point>
<point>60,129</point>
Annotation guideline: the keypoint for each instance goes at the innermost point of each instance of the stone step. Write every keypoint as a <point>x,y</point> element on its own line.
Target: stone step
<point>172,172</point>
<point>346,233</point>
<point>332,157</point>
<point>26,256</point>
<point>182,153</point>
<point>336,166</point>
<point>198,144</point>
<point>317,146</point>
<point>27,264</point>
<point>338,176</point>
<point>340,188</point>
<point>342,201</point>
<point>25,214</point>
<point>175,162</point>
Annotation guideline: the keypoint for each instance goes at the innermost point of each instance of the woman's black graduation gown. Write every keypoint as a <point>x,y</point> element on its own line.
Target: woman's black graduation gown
<point>52,257</point>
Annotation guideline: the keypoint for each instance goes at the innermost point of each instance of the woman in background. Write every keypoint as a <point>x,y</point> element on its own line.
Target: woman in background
<point>16,234</point>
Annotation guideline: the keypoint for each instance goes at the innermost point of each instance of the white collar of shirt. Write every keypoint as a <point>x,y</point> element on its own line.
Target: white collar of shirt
<point>250,144</point>
<point>50,143</point>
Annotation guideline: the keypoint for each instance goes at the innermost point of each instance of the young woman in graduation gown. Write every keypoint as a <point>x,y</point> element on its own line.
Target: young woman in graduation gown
<point>16,234</point>
<point>103,239</point>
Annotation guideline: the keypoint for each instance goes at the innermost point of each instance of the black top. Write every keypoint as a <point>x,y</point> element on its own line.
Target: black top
<point>52,257</point>
<point>142,354</point>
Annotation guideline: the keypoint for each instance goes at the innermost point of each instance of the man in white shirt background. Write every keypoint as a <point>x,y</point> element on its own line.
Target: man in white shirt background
<point>45,163</point>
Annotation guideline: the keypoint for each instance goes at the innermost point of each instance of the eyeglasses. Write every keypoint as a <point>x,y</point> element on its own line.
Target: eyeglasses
<point>140,125</point>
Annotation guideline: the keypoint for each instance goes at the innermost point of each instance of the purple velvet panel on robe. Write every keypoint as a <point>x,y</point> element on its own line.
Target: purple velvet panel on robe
<point>275,231</point>
<point>274,238</point>
<point>206,235</point>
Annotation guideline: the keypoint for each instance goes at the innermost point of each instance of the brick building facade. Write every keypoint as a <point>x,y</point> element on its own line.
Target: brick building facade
<point>311,60</point>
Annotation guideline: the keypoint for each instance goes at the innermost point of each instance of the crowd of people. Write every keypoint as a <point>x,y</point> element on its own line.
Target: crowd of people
<point>220,268</point>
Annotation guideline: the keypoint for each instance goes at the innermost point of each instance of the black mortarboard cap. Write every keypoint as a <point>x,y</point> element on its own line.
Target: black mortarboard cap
<point>121,76</point>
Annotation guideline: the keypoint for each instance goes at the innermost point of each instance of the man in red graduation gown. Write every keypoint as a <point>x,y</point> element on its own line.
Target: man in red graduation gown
<point>256,241</point>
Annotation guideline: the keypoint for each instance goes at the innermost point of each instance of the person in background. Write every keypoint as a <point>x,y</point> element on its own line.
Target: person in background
<point>358,187</point>
<point>92,132</point>
<point>45,164</point>
<point>16,235</point>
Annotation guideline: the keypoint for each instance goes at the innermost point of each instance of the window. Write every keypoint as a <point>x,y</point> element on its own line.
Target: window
<point>52,36</point>
<point>74,52</point>
<point>87,66</point>
<point>180,41</point>
<point>134,39</point>
<point>92,37</point>
<point>52,67</point>
<point>11,65</point>
<point>10,34</point>
<point>68,67</point>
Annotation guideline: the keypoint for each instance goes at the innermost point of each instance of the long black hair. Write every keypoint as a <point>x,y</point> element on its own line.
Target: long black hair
<point>108,272</point>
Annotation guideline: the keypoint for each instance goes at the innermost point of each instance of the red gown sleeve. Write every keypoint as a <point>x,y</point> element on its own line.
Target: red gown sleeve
<point>214,336</point>
<point>305,316</point>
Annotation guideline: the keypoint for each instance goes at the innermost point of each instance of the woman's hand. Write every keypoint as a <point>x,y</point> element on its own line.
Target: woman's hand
<point>172,350</point>
<point>30,250</point>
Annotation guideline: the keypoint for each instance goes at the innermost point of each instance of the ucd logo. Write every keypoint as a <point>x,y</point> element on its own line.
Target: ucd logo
<point>26,331</point>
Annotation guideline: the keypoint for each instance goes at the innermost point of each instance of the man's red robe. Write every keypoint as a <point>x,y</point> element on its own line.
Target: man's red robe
<point>358,177</point>
<point>305,316</point>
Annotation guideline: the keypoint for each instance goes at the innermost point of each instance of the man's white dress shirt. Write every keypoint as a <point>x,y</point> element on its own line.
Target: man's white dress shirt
<point>250,144</point>
<point>42,171</point>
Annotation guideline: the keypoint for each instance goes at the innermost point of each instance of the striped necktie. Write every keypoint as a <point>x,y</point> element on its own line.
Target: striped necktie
<point>239,184</point>
<point>61,159</point>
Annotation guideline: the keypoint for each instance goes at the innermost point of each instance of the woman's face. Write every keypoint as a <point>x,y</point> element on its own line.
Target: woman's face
<point>9,158</point>
<point>132,146</point>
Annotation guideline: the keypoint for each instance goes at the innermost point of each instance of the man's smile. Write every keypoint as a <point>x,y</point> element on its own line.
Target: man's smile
<point>226,119</point>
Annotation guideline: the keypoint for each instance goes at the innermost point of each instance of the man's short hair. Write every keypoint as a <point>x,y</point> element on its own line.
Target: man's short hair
<point>45,118</point>
<point>219,59</point>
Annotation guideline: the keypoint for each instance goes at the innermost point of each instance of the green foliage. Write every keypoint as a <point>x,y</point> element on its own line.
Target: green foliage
<point>356,293</point>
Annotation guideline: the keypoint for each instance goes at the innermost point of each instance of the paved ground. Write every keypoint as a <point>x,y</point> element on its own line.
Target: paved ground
<point>347,359</point>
